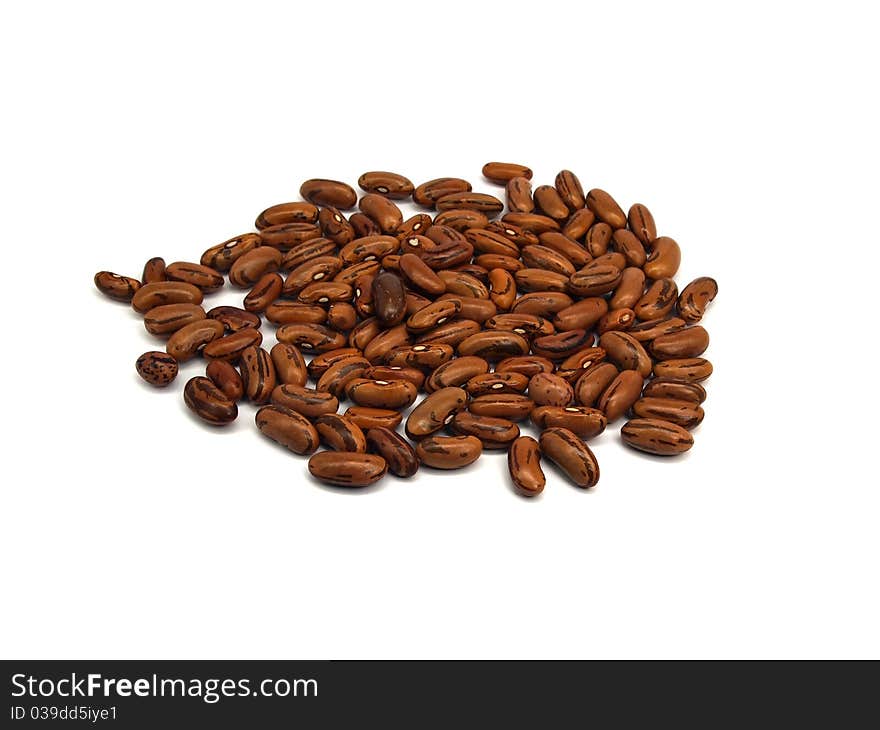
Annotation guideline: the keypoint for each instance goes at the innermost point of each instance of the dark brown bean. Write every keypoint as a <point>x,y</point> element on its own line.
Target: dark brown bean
<point>226,378</point>
<point>654,436</point>
<point>288,428</point>
<point>571,455</point>
<point>157,368</point>
<point>207,401</point>
<point>389,298</point>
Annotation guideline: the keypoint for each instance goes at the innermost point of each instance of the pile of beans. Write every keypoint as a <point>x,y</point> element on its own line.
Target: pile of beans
<point>496,320</point>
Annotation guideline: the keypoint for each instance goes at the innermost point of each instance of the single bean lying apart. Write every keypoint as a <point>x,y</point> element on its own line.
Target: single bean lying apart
<point>562,314</point>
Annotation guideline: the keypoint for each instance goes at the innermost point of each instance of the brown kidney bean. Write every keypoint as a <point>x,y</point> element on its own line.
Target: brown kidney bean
<point>370,418</point>
<point>490,242</point>
<point>288,428</point>
<point>425,355</point>
<point>493,345</point>
<point>319,363</point>
<point>606,208</point>
<point>341,316</point>
<point>296,212</point>
<point>562,344</point>
<point>689,368</point>
<point>226,378</point>
<point>265,291</point>
<point>207,401</point>
<point>185,343</point>
<point>432,315</point>
<point>250,267</point>
<point>463,285</point>
<point>493,433</point>
<point>571,455</point>
<point>617,319</point>
<point>435,411</point>
<point>340,433</point>
<point>570,190</point>
<point>395,372</point>
<point>461,219</point>
<point>594,279</point>
<point>542,257</point>
<point>344,469</point>
<point>518,193</point>
<point>234,318</point>
<point>290,366</point>
<point>391,394</point>
<point>320,268</point>
<point>154,270</point>
<point>481,202</point>
<point>695,297</point>
<point>549,202</point>
<point>310,337</point>
<point>305,401</point>
<point>289,235</point>
<point>547,389</point>
<point>223,255</point>
<point>584,421</point>
<point>647,331</point>
<point>284,311</point>
<point>579,223</point>
<point>231,346</point>
<point>524,465</point>
<point>204,277</point>
<point>455,372</point>
<point>641,223</point>
<point>542,303</point>
<point>325,292</point>
<point>658,301</point>
<point>157,368</point>
<point>511,406</point>
<point>449,452</point>
<point>502,172</point>
<point>335,226</point>
<point>564,246</point>
<point>414,226</point>
<point>620,394</point>
<point>420,275</point>
<point>363,225</point>
<point>478,310</point>
<point>148,296</point>
<point>664,259</point>
<point>678,389</point>
<point>340,373</point>
<point>597,238</point>
<point>626,243</point>
<point>398,454</point>
<point>383,211</point>
<point>389,184</point>
<point>486,383</point>
<point>168,318</point>
<point>593,383</point>
<point>513,233</point>
<point>380,346</point>
<point>527,365</point>
<point>329,192</point>
<point>680,412</point>
<point>308,250</point>
<point>629,289</point>
<point>654,436</point>
<point>581,315</point>
<point>257,374</point>
<point>626,352</point>
<point>428,193</point>
<point>531,222</point>
<point>690,342</point>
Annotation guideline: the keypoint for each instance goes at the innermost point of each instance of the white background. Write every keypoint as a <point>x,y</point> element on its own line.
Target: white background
<point>128,530</point>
